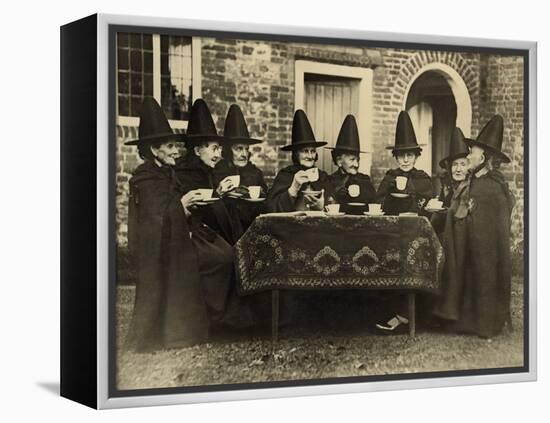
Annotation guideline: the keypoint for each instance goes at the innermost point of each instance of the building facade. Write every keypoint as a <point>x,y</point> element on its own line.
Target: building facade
<point>270,80</point>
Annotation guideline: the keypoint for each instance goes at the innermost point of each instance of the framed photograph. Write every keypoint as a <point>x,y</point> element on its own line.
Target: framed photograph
<point>255,211</point>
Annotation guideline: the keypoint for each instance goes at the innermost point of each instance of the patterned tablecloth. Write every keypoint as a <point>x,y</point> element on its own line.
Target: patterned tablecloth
<point>306,252</point>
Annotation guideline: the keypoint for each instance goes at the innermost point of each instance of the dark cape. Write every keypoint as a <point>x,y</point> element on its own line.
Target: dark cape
<point>169,309</point>
<point>477,273</point>
<point>340,181</point>
<point>192,174</point>
<point>278,198</point>
<point>419,187</point>
<point>250,175</point>
<point>448,188</point>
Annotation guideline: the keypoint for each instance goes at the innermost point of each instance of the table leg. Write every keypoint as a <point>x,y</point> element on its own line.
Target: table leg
<point>274,315</point>
<point>412,313</point>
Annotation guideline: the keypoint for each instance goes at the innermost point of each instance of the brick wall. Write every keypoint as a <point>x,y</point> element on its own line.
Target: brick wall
<point>259,76</point>
<point>501,81</point>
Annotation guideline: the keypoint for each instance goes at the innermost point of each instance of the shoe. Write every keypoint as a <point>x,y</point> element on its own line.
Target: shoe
<point>397,324</point>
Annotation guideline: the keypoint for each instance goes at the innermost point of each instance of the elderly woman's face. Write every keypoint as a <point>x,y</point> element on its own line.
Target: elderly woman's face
<point>167,153</point>
<point>210,153</point>
<point>406,160</point>
<point>306,156</point>
<point>459,169</point>
<point>476,156</point>
<point>349,163</point>
<point>240,154</point>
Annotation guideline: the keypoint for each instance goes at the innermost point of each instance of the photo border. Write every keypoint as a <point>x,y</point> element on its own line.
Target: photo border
<point>108,395</point>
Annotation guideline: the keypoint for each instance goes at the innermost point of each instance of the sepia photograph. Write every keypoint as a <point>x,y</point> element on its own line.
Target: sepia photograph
<point>309,211</point>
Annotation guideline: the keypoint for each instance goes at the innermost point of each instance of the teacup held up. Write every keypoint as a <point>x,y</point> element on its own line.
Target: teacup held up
<point>354,190</point>
<point>254,191</point>
<point>401,182</point>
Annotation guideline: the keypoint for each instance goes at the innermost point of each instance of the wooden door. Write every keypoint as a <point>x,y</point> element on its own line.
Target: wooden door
<point>327,102</point>
<point>422,119</point>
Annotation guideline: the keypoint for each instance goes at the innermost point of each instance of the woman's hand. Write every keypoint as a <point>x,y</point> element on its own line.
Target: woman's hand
<point>190,199</point>
<point>301,177</point>
<point>315,202</point>
<point>225,186</point>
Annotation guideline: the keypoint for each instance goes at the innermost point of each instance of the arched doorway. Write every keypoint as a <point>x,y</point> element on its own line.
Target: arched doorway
<point>437,100</point>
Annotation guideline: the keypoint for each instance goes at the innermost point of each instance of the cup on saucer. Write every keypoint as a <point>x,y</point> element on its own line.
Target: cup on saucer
<point>333,208</point>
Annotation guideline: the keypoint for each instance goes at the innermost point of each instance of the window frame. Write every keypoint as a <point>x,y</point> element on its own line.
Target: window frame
<point>196,82</point>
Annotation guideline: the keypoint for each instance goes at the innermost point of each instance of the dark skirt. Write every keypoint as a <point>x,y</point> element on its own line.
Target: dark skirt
<point>215,260</point>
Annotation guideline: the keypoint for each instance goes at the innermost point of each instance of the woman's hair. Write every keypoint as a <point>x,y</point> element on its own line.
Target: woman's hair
<point>144,150</point>
<point>395,153</point>
<point>295,157</point>
<point>227,152</point>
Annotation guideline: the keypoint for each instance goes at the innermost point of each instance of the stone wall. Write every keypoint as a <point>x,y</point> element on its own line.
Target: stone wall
<point>259,76</point>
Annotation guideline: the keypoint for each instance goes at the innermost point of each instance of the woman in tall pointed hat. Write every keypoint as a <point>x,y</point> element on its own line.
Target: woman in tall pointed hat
<point>196,171</point>
<point>218,229</point>
<point>169,308</point>
<point>454,180</point>
<point>236,163</point>
<point>345,155</point>
<point>478,243</point>
<point>405,188</point>
<point>301,186</point>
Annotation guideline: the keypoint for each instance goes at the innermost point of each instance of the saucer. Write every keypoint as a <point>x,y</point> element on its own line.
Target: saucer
<point>235,194</point>
<point>335,214</point>
<point>315,213</point>
<point>206,201</point>
<point>408,214</point>
<point>399,195</point>
<point>436,210</point>
<point>373,214</point>
<point>357,204</point>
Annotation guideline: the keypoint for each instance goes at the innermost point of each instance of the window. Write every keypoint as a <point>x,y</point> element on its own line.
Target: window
<point>135,71</point>
<point>165,67</point>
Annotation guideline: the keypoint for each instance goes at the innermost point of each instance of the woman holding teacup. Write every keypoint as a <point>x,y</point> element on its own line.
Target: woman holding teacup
<point>245,201</point>
<point>301,186</point>
<point>196,173</point>
<point>350,186</point>
<point>182,267</point>
<point>405,188</point>
<point>454,181</point>
<point>196,176</point>
<point>476,283</point>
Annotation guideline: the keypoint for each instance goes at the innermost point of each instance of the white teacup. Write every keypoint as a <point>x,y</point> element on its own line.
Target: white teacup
<point>254,191</point>
<point>375,208</point>
<point>333,208</point>
<point>205,193</point>
<point>401,182</point>
<point>313,174</point>
<point>354,190</point>
<point>435,204</point>
<point>236,179</point>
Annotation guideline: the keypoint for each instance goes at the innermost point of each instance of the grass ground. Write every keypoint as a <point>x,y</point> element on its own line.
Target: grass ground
<point>310,351</point>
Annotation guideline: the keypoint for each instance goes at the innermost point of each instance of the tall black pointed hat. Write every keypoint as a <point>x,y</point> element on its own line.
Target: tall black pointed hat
<point>235,129</point>
<point>153,125</point>
<point>201,126</point>
<point>405,138</point>
<point>491,136</point>
<point>348,137</point>
<point>458,148</point>
<point>302,134</point>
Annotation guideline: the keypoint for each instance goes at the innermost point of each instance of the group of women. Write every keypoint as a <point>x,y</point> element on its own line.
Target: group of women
<point>186,213</point>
